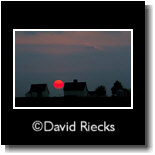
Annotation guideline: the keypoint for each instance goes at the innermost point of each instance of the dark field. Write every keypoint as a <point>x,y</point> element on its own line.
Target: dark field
<point>73,102</point>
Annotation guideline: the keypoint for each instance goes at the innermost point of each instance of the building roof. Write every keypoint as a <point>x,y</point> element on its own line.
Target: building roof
<point>37,88</point>
<point>75,85</point>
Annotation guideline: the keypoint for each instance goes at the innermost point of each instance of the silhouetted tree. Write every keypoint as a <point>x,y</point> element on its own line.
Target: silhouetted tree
<point>117,86</point>
<point>100,91</point>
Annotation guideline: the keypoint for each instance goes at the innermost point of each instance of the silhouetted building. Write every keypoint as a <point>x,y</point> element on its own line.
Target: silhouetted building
<point>38,90</point>
<point>75,88</point>
<point>92,93</point>
<point>119,93</point>
<point>122,93</point>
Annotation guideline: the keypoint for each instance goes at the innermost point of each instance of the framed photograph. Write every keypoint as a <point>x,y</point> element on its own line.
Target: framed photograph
<point>73,69</point>
<point>73,78</point>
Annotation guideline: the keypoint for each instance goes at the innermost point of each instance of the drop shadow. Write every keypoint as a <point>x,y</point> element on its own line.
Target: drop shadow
<point>77,148</point>
<point>148,76</point>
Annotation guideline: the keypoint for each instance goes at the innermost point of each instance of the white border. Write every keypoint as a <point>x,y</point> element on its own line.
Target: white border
<point>131,30</point>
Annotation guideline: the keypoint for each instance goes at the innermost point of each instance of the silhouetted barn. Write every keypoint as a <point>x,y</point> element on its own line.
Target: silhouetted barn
<point>92,93</point>
<point>75,88</point>
<point>38,90</point>
<point>122,93</point>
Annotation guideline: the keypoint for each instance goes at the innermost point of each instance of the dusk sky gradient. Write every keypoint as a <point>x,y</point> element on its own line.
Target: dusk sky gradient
<point>94,57</point>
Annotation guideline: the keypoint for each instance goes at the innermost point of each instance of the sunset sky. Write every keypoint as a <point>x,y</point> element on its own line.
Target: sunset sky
<point>94,57</point>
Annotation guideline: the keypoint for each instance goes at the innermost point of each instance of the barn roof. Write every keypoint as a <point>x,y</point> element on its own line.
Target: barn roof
<point>69,86</point>
<point>37,87</point>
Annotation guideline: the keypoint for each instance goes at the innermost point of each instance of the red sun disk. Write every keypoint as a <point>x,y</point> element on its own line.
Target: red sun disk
<point>58,84</point>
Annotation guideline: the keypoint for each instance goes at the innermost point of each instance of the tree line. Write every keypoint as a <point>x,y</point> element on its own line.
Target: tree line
<point>117,90</point>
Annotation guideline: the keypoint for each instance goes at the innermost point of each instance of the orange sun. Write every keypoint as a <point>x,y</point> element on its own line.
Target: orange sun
<point>58,84</point>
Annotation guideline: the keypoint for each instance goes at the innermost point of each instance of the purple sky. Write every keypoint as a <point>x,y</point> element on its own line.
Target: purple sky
<point>98,58</point>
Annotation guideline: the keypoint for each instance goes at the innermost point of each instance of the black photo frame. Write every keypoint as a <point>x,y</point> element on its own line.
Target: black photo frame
<point>18,124</point>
